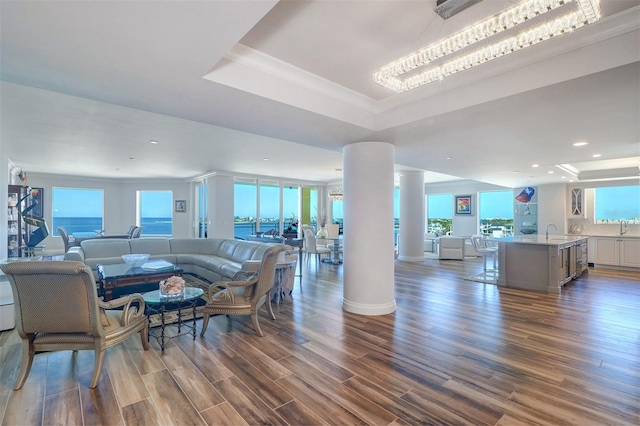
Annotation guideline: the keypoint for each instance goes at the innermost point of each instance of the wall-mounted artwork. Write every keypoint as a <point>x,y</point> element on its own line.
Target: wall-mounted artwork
<point>463,204</point>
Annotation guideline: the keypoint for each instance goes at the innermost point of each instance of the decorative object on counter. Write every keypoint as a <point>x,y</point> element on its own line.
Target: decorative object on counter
<point>172,286</point>
<point>575,229</point>
<point>135,260</point>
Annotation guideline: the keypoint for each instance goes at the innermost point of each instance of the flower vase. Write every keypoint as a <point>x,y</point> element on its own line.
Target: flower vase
<point>322,232</point>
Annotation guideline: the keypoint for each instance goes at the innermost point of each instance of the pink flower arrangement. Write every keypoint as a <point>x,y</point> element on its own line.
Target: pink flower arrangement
<point>172,286</point>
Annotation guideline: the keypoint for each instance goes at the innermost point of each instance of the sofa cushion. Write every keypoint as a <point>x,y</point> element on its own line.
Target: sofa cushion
<point>195,245</point>
<point>150,245</point>
<point>107,247</point>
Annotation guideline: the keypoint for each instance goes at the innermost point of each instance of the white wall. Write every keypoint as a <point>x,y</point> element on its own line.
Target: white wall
<point>552,208</point>
<point>221,207</point>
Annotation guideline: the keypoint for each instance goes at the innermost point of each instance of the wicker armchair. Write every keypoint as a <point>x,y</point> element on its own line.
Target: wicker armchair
<point>57,308</point>
<point>246,294</point>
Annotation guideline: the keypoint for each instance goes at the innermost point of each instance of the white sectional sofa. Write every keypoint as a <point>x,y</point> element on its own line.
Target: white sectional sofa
<point>212,258</point>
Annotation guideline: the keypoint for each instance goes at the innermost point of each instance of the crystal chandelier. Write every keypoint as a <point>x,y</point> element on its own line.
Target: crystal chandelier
<point>336,194</point>
<point>486,40</point>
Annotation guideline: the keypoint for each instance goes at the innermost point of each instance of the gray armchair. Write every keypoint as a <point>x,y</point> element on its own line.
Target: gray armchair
<point>246,294</point>
<point>57,308</point>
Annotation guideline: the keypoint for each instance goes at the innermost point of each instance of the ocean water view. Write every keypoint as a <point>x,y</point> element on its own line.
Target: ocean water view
<point>152,225</point>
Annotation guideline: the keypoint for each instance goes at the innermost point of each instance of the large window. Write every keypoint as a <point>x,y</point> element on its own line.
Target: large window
<point>245,204</point>
<point>155,212</point>
<point>290,207</point>
<point>439,213</point>
<point>614,203</point>
<point>269,206</point>
<point>77,210</point>
<point>496,213</point>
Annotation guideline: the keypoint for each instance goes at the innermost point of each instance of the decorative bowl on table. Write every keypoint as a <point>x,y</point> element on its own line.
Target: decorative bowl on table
<point>135,260</point>
<point>172,287</point>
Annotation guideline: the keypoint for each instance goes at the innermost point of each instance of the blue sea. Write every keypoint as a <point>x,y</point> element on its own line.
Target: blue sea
<point>152,225</point>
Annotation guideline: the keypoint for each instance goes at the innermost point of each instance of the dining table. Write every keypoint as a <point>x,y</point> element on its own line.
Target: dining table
<point>336,259</point>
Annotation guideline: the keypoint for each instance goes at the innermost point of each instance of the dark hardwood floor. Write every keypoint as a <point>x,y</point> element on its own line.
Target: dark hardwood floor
<point>454,352</point>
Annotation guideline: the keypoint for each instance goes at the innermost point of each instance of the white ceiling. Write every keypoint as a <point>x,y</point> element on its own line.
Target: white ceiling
<point>222,85</point>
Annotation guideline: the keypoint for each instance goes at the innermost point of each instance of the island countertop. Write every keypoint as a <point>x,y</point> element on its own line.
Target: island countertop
<point>554,240</point>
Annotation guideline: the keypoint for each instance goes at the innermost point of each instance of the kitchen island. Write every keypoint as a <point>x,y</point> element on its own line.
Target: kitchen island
<point>533,262</point>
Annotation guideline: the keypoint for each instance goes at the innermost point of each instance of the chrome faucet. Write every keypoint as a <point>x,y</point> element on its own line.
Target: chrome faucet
<point>623,230</point>
<point>546,234</point>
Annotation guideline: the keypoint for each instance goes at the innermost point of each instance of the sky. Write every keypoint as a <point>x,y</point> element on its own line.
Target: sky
<point>626,200</point>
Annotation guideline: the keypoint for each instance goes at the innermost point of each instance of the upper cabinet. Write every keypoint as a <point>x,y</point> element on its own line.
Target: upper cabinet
<point>577,207</point>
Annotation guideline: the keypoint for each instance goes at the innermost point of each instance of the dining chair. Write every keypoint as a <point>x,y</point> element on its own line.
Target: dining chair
<point>311,247</point>
<point>57,308</point>
<point>65,238</point>
<point>137,231</point>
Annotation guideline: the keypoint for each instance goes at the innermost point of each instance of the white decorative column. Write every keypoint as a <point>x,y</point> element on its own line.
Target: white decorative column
<point>221,206</point>
<point>368,228</point>
<point>411,244</point>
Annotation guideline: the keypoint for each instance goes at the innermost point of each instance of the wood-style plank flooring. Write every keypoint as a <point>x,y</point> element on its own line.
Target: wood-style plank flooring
<point>454,352</point>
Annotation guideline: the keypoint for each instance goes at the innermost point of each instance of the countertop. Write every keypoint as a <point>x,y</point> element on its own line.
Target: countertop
<point>554,240</point>
<point>603,236</point>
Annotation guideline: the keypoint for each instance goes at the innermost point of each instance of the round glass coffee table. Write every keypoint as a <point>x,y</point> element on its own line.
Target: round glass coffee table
<point>161,305</point>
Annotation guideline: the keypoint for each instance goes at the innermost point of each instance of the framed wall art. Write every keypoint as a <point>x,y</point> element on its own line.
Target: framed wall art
<point>181,206</point>
<point>463,204</point>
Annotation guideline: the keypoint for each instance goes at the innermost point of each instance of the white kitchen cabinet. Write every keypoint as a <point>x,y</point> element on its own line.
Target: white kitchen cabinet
<point>592,250</point>
<point>618,251</point>
<point>630,252</point>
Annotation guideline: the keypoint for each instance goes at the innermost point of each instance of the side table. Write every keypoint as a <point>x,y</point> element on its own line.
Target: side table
<point>158,304</point>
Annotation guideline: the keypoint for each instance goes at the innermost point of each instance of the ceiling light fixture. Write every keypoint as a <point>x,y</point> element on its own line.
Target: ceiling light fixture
<point>568,168</point>
<point>588,11</point>
<point>581,143</point>
<point>336,193</point>
<point>597,155</point>
<point>152,142</point>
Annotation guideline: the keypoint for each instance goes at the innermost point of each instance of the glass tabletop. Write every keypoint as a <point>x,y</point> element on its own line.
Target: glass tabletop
<point>155,298</point>
<point>121,270</point>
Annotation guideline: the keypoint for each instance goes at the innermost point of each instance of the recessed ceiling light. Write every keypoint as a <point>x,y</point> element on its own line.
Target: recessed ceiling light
<point>152,142</point>
<point>550,172</point>
<point>449,158</point>
<point>265,159</point>
<point>597,155</point>
<point>535,165</point>
<point>563,177</point>
<point>581,143</point>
